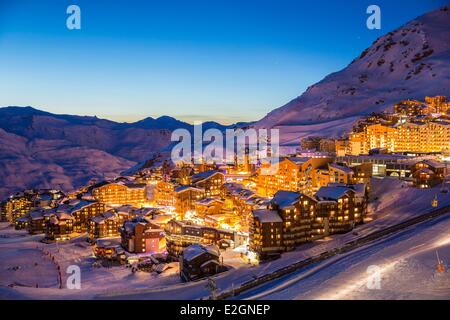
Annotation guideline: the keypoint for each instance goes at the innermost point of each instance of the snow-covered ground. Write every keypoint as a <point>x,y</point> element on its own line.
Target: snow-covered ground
<point>25,262</point>
<point>391,204</point>
<point>406,264</point>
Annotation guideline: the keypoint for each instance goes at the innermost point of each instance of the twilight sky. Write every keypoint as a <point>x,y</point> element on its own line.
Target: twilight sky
<point>223,60</point>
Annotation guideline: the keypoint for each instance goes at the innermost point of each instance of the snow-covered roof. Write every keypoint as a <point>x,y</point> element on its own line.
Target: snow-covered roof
<point>286,199</point>
<point>267,216</point>
<point>125,208</point>
<point>108,243</point>
<point>424,170</point>
<point>359,188</point>
<point>208,201</point>
<point>81,205</point>
<point>196,250</point>
<point>134,185</point>
<point>101,218</point>
<point>434,163</point>
<point>332,193</point>
<point>181,189</point>
<point>62,215</point>
<point>162,218</point>
<point>130,225</point>
<point>299,160</point>
<point>345,169</point>
<point>204,175</point>
<point>37,214</point>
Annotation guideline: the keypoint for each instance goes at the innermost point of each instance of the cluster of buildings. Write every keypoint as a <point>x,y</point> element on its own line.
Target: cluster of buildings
<point>293,218</point>
<point>308,174</point>
<point>413,126</point>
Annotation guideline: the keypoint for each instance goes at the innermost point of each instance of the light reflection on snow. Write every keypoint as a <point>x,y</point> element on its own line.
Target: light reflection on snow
<point>359,281</point>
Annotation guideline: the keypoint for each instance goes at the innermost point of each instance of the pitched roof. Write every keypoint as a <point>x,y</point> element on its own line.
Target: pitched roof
<point>267,216</point>
<point>332,193</point>
<point>130,225</point>
<point>181,189</point>
<point>286,199</point>
<point>345,169</point>
<point>204,175</point>
<point>208,201</point>
<point>299,160</point>
<point>101,218</point>
<point>434,163</point>
<point>81,205</point>
<point>359,188</point>
<point>196,250</point>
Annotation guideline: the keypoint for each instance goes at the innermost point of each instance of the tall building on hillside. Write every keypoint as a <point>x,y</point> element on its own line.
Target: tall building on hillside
<point>432,136</point>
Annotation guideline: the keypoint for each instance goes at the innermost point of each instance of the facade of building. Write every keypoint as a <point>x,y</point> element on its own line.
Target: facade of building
<point>185,198</point>
<point>439,104</point>
<point>181,234</point>
<point>120,193</point>
<point>208,206</point>
<point>293,218</point>
<point>15,207</point>
<point>105,225</point>
<point>139,235</point>
<point>291,174</point>
<point>82,211</point>
<point>211,181</point>
<point>37,221</point>
<point>109,249</point>
<point>431,136</point>
<point>266,233</point>
<point>428,173</point>
<point>59,226</point>
<point>165,194</point>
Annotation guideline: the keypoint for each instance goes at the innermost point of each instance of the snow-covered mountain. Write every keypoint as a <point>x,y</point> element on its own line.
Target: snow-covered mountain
<point>410,62</point>
<point>41,149</point>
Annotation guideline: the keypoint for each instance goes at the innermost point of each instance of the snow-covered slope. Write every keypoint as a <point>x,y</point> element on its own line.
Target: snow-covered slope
<point>410,62</point>
<point>51,164</point>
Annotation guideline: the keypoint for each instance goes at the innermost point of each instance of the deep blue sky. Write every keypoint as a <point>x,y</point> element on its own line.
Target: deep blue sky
<point>224,60</point>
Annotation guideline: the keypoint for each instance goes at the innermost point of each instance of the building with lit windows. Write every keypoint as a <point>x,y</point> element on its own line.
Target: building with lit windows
<point>139,235</point>
<point>120,193</point>
<point>15,207</point>
<point>59,226</point>
<point>181,234</point>
<point>185,198</point>
<point>266,233</point>
<point>428,173</point>
<point>290,174</point>
<point>439,104</point>
<point>211,181</point>
<point>409,136</point>
<point>293,218</point>
<point>105,225</point>
<point>164,194</point>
